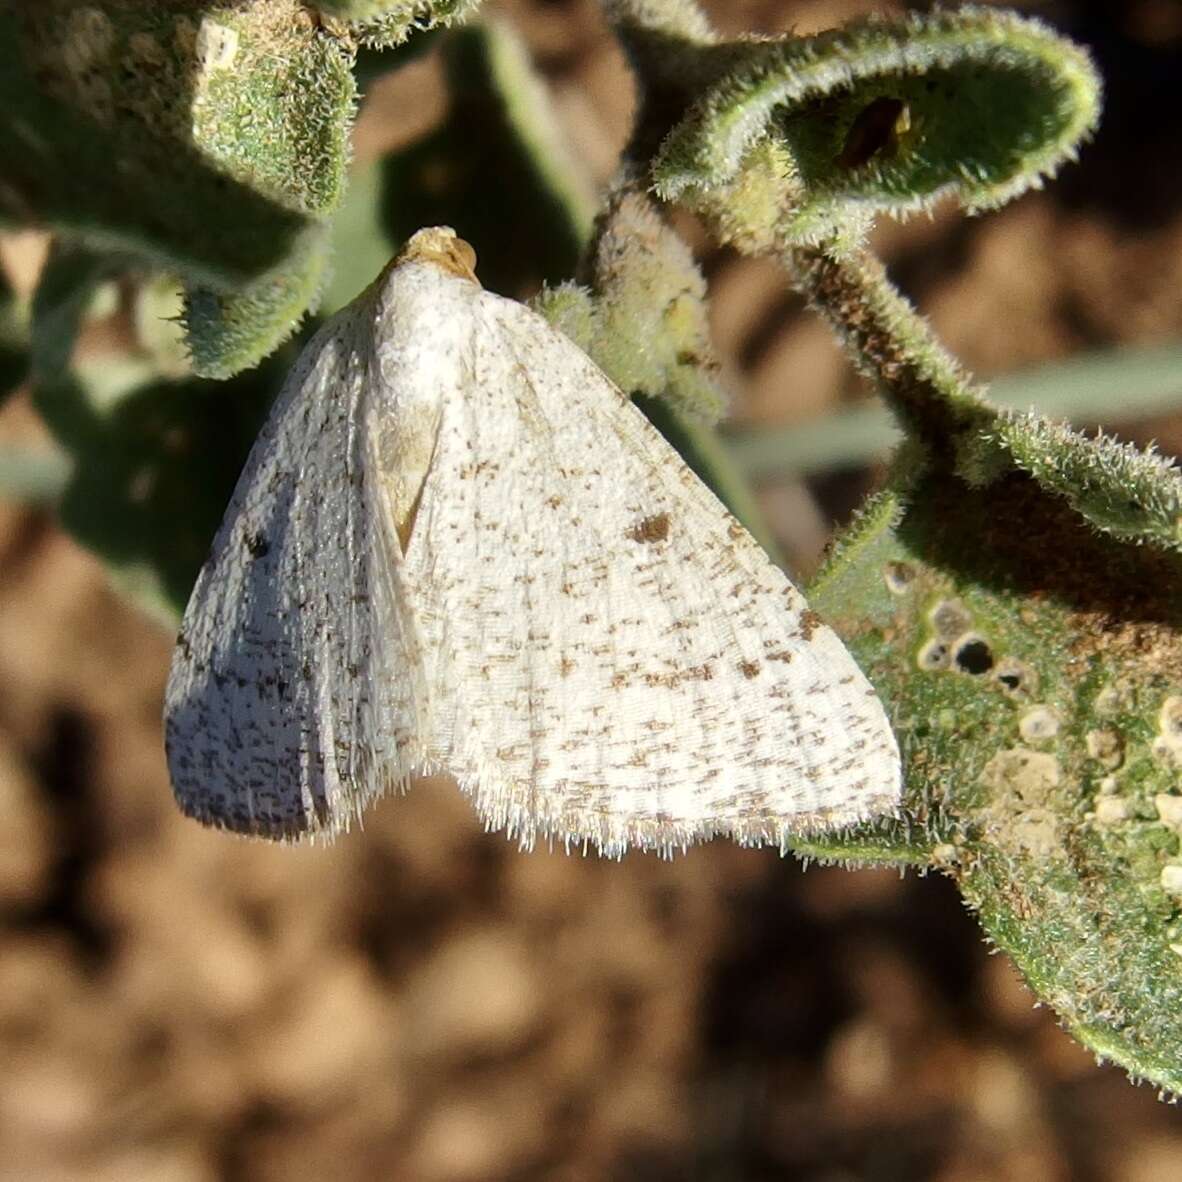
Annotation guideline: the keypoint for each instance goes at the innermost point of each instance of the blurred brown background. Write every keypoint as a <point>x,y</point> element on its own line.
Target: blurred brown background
<point>422,1001</point>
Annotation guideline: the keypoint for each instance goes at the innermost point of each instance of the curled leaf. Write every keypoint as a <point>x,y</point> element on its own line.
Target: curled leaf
<point>803,140</point>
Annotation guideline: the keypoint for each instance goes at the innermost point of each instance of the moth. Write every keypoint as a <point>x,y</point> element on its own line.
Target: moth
<point>456,547</point>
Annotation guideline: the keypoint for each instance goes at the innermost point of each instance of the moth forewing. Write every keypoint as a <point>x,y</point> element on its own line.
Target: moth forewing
<point>619,662</point>
<point>280,716</point>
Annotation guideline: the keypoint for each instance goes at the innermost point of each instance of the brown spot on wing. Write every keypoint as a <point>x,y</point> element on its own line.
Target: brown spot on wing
<point>810,621</point>
<point>651,529</point>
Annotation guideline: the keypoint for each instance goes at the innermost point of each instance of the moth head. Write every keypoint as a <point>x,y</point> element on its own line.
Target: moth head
<point>442,246</point>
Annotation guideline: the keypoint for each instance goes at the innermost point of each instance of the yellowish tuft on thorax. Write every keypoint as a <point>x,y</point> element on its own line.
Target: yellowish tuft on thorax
<point>443,247</point>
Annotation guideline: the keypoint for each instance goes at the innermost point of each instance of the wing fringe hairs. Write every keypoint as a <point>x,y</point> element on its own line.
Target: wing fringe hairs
<point>456,547</point>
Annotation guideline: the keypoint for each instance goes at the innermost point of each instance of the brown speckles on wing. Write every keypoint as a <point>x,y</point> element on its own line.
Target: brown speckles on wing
<point>296,693</point>
<point>652,680</point>
<point>654,528</point>
<point>810,621</point>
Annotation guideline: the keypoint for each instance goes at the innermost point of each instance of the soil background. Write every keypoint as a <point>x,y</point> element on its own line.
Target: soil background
<point>424,1002</point>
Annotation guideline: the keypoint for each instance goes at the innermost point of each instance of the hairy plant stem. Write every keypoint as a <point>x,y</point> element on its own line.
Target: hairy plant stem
<point>891,343</point>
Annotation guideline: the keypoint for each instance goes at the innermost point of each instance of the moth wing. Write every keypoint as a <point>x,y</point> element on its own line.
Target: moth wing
<point>296,690</point>
<point>612,658</point>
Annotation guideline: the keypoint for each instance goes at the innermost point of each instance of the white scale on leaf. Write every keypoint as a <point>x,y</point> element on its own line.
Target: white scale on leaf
<point>458,547</point>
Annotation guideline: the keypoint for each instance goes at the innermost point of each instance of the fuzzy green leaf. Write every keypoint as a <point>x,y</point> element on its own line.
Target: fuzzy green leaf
<point>385,23</point>
<point>229,331</point>
<point>1121,490</point>
<point>802,140</point>
<point>205,138</point>
<point>1033,670</point>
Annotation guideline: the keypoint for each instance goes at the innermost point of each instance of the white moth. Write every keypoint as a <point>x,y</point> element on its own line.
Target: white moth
<point>458,547</point>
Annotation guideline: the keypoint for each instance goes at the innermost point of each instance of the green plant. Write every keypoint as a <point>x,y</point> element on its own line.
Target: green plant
<point>1012,591</point>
